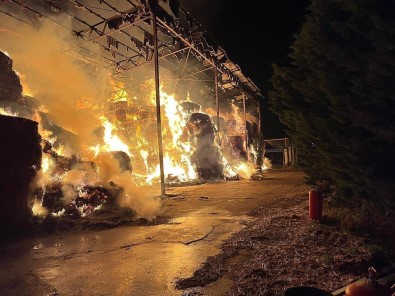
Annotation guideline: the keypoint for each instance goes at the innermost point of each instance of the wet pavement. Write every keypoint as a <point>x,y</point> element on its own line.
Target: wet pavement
<point>123,261</point>
<point>136,260</point>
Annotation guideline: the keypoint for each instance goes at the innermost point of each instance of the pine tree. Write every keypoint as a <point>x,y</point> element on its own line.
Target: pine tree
<point>337,97</point>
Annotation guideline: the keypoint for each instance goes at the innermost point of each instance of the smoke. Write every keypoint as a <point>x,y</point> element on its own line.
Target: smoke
<point>80,175</point>
<point>107,172</point>
<point>75,98</point>
<point>53,75</point>
<point>267,164</point>
<point>72,98</point>
<point>69,193</point>
<point>137,198</point>
<point>38,209</point>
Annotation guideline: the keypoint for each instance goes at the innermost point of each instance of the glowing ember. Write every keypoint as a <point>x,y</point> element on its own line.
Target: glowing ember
<point>100,130</point>
<point>133,134</point>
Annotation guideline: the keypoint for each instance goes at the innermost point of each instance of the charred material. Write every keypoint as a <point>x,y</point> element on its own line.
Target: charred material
<point>190,107</point>
<point>236,145</point>
<point>10,85</point>
<point>236,177</point>
<point>52,197</point>
<point>63,164</point>
<point>80,202</point>
<point>172,179</point>
<point>20,156</point>
<point>123,159</point>
<point>206,157</point>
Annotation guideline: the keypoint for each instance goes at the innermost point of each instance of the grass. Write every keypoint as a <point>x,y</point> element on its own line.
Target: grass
<point>375,224</point>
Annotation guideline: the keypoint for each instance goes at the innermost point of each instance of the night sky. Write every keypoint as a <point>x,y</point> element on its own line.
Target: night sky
<point>253,38</point>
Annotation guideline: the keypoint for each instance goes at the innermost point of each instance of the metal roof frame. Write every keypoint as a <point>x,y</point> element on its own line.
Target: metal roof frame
<point>134,33</point>
<point>123,30</point>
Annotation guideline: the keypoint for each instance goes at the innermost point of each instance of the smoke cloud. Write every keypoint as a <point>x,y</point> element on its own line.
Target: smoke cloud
<point>73,98</point>
<point>54,77</point>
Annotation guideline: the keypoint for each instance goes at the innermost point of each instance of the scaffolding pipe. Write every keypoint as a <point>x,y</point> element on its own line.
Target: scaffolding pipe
<point>245,124</point>
<point>216,94</point>
<point>158,115</point>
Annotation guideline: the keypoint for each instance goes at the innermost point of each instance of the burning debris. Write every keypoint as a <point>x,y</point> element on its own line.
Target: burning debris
<point>74,181</point>
<point>99,131</point>
<point>206,155</point>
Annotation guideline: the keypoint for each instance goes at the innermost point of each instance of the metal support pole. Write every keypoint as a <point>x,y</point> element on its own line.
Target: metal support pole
<point>158,115</point>
<point>261,142</point>
<point>259,119</point>
<point>216,94</point>
<point>245,124</point>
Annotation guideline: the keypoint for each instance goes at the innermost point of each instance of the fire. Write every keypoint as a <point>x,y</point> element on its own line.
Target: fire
<point>111,140</point>
<point>245,169</point>
<point>2,29</point>
<point>38,209</point>
<point>46,163</point>
<point>25,88</point>
<point>178,150</point>
<point>240,123</point>
<point>4,111</point>
<point>95,149</point>
<point>144,154</point>
<point>45,134</point>
<point>177,161</point>
<point>175,116</point>
<point>131,130</point>
<point>267,164</point>
<point>119,94</point>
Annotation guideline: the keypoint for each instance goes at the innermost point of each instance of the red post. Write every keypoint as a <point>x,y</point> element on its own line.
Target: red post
<point>315,205</point>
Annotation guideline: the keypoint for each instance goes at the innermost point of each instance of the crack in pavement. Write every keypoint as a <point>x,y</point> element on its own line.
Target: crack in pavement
<point>201,238</point>
<point>127,247</point>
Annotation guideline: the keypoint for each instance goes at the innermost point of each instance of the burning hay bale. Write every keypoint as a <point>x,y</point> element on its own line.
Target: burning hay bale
<point>123,159</point>
<point>236,146</point>
<point>190,107</point>
<point>80,202</point>
<point>90,136</point>
<point>172,179</point>
<point>206,157</point>
<point>20,152</point>
<point>10,85</point>
<point>57,198</point>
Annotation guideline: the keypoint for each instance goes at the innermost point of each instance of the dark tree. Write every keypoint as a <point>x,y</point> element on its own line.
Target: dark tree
<point>337,97</point>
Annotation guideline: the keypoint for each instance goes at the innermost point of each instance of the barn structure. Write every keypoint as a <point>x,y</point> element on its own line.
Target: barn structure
<point>157,47</point>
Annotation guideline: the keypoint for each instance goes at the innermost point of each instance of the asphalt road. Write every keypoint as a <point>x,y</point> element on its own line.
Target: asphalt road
<point>139,260</point>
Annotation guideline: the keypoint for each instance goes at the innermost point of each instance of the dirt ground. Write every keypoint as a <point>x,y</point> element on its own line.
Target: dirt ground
<point>228,238</point>
<point>280,247</point>
<point>235,197</point>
